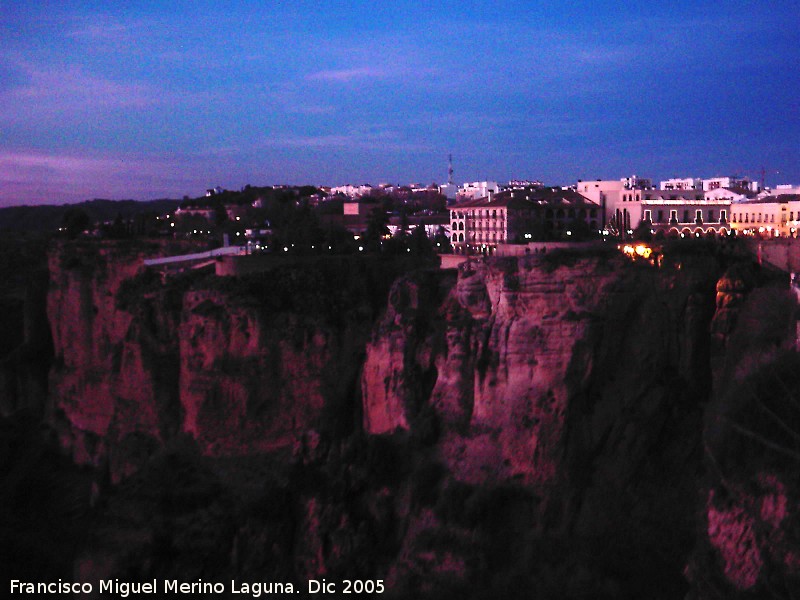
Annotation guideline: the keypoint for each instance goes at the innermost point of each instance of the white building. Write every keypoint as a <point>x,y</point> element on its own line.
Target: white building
<point>449,190</point>
<point>685,183</point>
<point>352,191</point>
<point>477,189</point>
<point>620,199</point>
<point>730,182</point>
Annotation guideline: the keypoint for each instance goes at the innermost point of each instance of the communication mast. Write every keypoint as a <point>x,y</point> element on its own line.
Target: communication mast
<point>450,169</point>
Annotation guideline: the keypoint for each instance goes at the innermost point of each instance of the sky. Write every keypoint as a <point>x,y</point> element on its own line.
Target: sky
<point>154,99</point>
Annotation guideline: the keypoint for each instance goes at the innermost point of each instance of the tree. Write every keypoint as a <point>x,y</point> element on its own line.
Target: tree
<point>442,241</point>
<point>418,241</point>
<point>75,221</point>
<point>377,222</point>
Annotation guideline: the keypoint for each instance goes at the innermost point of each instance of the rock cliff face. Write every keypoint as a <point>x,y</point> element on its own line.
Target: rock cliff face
<point>579,379</point>
<point>547,425</point>
<point>243,369</point>
<point>521,348</point>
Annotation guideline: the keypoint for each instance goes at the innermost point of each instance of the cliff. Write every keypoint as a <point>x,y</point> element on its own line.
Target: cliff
<point>559,425</point>
<point>243,366</point>
<point>579,380</point>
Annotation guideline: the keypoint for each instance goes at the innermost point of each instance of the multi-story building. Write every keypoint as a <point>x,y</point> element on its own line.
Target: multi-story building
<point>777,215</point>
<point>684,183</point>
<point>521,215</point>
<point>744,183</point>
<point>685,213</point>
<point>619,199</point>
<point>352,191</point>
<point>477,189</point>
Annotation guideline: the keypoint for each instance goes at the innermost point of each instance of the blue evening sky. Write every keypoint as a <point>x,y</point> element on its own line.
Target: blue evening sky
<point>161,99</point>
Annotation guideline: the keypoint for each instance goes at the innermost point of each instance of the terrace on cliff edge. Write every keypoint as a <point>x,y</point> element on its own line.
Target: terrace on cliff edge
<point>558,425</point>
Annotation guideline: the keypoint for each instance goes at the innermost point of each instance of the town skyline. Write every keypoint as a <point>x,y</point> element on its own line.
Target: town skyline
<point>168,100</point>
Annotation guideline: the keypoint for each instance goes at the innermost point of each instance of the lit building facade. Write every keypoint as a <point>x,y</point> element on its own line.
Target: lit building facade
<point>685,213</point>
<point>520,215</point>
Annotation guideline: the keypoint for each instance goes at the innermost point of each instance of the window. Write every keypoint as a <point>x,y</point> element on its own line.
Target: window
<point>723,216</point>
<point>673,215</point>
<point>698,216</point>
<point>710,216</point>
<point>647,215</point>
<point>685,216</point>
<point>660,216</point>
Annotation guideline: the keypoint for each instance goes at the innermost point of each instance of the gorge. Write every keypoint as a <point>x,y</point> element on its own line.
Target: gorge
<point>566,425</point>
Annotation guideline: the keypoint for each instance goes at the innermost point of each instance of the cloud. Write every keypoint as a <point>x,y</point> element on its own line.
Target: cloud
<point>347,75</point>
<point>34,176</point>
<point>383,141</point>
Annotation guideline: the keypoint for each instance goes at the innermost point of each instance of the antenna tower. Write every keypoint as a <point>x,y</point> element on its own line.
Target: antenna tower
<point>450,169</point>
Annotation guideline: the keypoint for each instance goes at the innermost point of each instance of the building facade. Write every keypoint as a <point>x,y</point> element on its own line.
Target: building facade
<point>519,216</point>
<point>685,213</point>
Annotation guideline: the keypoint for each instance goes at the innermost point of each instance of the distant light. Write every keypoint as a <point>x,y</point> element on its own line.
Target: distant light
<point>569,233</point>
<point>361,248</point>
<point>682,235</point>
<point>237,233</point>
<point>172,224</point>
<point>238,218</point>
<point>285,249</point>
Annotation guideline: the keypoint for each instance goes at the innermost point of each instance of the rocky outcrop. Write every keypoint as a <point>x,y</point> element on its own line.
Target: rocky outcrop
<point>243,366</point>
<point>103,393</point>
<point>547,425</point>
<point>580,379</point>
<point>750,523</point>
<point>521,345</point>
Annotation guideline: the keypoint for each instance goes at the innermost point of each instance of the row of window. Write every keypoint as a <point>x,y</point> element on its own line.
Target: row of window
<point>751,218</point>
<point>479,224</point>
<point>457,214</point>
<point>698,216</point>
<point>480,237</point>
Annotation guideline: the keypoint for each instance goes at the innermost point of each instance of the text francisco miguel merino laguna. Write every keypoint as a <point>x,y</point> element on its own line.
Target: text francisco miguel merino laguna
<point>123,589</point>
